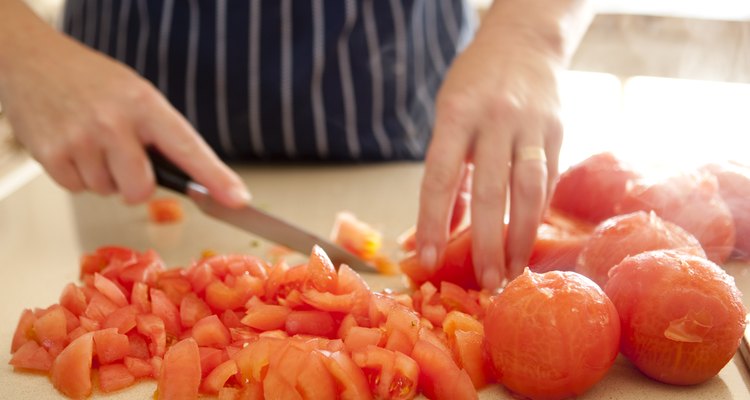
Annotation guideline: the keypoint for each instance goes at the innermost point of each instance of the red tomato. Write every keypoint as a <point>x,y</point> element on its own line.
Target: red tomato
<point>110,346</point>
<point>314,381</point>
<point>234,293</point>
<point>165,210</point>
<point>218,376</point>
<point>163,308</point>
<point>320,270</point>
<point>691,201</point>
<point>559,241</point>
<point>71,370</point>
<point>455,297</point>
<point>456,265</point>
<point>631,234</point>
<point>553,335</point>
<point>73,299</point>
<point>591,189</point>
<point>180,374</point>
<point>388,378</point>
<point>31,356</point>
<point>51,326</point>
<point>356,236</point>
<point>209,331</point>
<point>266,317</point>
<point>110,290</point>
<point>192,309</point>
<point>734,187</point>
<point>317,323</point>
<point>349,378</point>
<point>139,368</point>
<point>152,327</point>
<point>358,338</point>
<point>123,319</point>
<point>440,377</point>
<point>682,316</point>
<point>114,377</point>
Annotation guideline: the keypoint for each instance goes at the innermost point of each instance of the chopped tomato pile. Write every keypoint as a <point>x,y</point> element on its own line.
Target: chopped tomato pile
<point>236,327</point>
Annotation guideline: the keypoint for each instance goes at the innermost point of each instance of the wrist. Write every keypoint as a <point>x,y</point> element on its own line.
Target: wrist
<point>23,36</point>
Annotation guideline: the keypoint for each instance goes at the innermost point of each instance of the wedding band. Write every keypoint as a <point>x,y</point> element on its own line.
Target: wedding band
<point>531,153</point>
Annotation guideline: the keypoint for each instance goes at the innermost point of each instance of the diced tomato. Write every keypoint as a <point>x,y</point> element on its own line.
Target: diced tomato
<point>110,346</point>
<point>31,356</point>
<point>24,330</point>
<point>359,338</point>
<point>216,379</point>
<point>349,378</point>
<point>156,363</point>
<point>138,367</point>
<point>379,365</point>
<point>114,377</point>
<point>200,276</point>
<point>139,297</point>
<point>73,299</point>
<point>310,323</point>
<point>253,360</point>
<point>89,324</point>
<point>456,298</point>
<point>401,319</point>
<point>71,370</point>
<point>210,358</point>
<point>162,307</point>
<point>52,326</point>
<point>276,276</point>
<point>165,210</point>
<point>314,381</point>
<point>356,236</point>
<point>152,327</point>
<point>440,377</point>
<point>330,302</point>
<point>192,309</point>
<point>180,374</point>
<point>266,317</point>
<point>110,290</point>
<point>470,355</point>
<point>209,331</point>
<point>321,273</point>
<point>138,346</point>
<point>123,319</point>
<point>223,296</point>
<point>175,287</point>
<point>100,307</point>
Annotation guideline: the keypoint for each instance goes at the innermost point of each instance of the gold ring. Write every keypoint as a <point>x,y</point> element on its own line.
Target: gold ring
<point>531,153</point>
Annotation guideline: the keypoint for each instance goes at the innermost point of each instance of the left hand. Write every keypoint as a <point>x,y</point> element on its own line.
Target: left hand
<point>498,109</point>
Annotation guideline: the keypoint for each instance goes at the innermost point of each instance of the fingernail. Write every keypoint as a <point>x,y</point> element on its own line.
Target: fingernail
<point>240,195</point>
<point>428,257</point>
<point>490,279</point>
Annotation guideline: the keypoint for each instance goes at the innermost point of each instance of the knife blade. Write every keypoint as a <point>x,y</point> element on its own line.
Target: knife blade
<point>251,219</point>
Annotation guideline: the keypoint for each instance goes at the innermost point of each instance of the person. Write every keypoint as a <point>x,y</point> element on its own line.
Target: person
<point>336,80</point>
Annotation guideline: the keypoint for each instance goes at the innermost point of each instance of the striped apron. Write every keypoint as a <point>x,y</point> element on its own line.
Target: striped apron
<point>337,80</point>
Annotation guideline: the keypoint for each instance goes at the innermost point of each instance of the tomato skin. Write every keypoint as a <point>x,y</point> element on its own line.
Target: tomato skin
<point>551,335</point>
<point>602,179</point>
<point>180,374</point>
<point>682,315</point>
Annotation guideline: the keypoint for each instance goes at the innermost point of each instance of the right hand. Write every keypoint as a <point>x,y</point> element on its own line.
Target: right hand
<point>87,119</point>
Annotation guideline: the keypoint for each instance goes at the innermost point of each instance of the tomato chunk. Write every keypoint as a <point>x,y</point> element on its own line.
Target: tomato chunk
<point>71,370</point>
<point>180,374</point>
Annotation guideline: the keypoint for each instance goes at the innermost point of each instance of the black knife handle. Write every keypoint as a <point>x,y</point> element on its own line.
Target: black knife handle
<point>167,174</point>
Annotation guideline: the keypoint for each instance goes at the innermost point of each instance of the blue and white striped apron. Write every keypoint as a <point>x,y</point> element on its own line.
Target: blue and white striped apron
<point>336,80</point>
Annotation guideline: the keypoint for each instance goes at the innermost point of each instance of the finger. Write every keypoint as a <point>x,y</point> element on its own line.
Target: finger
<point>527,200</point>
<point>174,137</point>
<point>442,178</point>
<point>492,155</point>
<point>66,175</point>
<point>461,205</point>
<point>93,169</point>
<point>552,145</point>
<point>130,168</point>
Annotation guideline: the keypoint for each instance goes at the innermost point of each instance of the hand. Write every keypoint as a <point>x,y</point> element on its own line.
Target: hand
<point>497,110</point>
<point>87,119</point>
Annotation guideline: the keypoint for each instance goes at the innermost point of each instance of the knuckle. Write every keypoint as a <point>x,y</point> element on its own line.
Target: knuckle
<point>51,155</point>
<point>530,188</point>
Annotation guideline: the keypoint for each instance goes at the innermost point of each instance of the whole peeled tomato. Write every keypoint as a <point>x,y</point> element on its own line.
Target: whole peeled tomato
<point>631,234</point>
<point>682,316</point>
<point>591,189</point>
<point>692,201</point>
<point>734,187</point>
<point>552,335</point>
<point>559,240</point>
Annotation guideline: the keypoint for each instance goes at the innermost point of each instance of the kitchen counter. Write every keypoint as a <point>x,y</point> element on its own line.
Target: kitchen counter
<point>44,231</point>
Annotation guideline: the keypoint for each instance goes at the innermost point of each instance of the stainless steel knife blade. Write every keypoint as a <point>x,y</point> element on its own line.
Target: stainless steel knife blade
<point>269,227</point>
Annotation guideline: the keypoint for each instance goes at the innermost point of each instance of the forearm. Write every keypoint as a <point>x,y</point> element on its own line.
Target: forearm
<point>22,36</point>
<point>552,26</point>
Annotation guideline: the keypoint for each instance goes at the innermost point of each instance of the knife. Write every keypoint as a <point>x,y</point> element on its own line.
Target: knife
<point>251,218</point>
